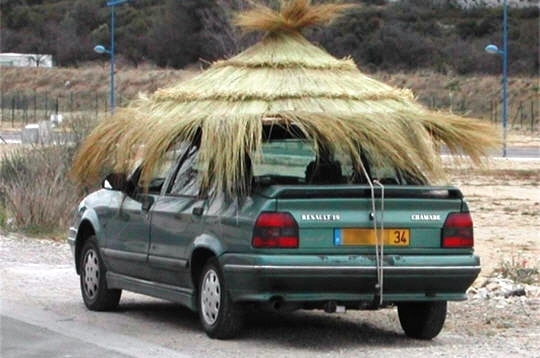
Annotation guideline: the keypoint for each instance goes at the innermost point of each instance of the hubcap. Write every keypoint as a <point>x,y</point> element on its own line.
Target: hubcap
<point>210,297</point>
<point>91,274</point>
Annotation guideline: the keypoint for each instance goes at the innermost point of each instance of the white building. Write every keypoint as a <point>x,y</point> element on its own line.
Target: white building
<point>25,60</point>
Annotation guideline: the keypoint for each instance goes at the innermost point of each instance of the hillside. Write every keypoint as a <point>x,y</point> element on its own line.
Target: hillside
<point>390,36</point>
<point>87,89</point>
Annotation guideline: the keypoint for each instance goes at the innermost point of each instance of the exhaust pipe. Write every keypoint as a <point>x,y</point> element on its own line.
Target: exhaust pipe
<point>333,307</point>
<point>276,303</point>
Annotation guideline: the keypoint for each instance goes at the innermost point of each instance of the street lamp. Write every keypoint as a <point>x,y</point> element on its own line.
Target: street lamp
<point>101,49</point>
<point>493,49</point>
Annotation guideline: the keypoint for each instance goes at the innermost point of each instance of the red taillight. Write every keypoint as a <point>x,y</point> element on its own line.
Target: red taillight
<point>457,231</point>
<point>275,230</point>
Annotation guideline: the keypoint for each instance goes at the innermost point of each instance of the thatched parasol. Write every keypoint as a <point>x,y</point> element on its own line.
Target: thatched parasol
<point>287,79</point>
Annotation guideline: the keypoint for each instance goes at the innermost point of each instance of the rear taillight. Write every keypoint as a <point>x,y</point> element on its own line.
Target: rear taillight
<point>275,230</point>
<point>457,231</point>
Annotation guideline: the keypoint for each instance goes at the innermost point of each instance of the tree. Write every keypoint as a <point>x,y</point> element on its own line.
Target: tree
<point>217,37</point>
<point>133,40</point>
<point>172,37</point>
<point>68,47</point>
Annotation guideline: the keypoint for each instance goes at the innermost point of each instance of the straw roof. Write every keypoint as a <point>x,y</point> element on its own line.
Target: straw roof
<point>290,80</point>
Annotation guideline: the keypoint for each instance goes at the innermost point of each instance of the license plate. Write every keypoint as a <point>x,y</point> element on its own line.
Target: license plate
<point>366,237</point>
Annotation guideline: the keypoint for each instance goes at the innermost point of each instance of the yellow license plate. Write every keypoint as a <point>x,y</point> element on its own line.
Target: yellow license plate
<point>366,237</point>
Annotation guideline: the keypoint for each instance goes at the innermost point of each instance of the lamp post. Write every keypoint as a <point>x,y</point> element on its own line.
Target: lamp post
<point>101,49</point>
<point>493,49</point>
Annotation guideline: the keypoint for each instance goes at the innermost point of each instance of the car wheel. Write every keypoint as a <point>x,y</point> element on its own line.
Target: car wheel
<point>422,320</point>
<point>220,317</point>
<point>96,295</point>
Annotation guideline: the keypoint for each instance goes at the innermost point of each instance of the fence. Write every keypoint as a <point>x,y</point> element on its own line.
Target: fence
<point>23,108</point>
<point>524,116</point>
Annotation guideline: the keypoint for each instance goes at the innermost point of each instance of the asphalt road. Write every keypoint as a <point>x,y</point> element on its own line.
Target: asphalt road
<point>522,152</point>
<point>33,332</point>
<point>23,340</point>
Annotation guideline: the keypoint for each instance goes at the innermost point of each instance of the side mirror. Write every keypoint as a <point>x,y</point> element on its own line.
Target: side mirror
<point>115,181</point>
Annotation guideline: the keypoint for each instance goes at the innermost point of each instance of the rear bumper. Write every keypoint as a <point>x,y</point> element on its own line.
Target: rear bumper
<point>299,278</point>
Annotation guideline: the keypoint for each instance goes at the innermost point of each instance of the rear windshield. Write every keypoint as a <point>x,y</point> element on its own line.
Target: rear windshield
<point>295,161</point>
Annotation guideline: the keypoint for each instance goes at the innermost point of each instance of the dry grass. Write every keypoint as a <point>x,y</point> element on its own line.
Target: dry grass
<point>91,79</point>
<point>35,194</point>
<point>478,91</point>
<point>6,149</point>
<point>478,95</point>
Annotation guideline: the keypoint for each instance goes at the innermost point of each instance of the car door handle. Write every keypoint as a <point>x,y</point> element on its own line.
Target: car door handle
<point>197,211</point>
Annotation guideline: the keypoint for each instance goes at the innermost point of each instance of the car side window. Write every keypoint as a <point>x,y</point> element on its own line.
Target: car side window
<point>187,179</point>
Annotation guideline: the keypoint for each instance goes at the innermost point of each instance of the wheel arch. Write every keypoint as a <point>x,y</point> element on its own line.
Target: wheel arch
<point>84,232</point>
<point>89,224</point>
<point>204,248</point>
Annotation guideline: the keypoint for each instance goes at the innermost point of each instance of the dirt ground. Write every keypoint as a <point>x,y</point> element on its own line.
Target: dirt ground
<point>504,200</point>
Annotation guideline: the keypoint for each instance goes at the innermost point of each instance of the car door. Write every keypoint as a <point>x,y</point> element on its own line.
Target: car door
<point>128,231</point>
<point>175,222</point>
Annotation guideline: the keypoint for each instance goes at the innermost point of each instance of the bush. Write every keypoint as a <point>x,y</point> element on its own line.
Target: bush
<point>518,268</point>
<point>35,194</point>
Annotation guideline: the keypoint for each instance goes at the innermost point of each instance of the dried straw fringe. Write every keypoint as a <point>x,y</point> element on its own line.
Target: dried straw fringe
<point>395,139</point>
<point>294,16</point>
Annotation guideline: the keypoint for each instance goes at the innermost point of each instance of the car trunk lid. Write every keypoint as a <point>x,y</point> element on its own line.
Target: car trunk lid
<point>343,218</point>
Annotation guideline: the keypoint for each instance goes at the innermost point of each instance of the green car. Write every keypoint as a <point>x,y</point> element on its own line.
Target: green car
<point>306,229</point>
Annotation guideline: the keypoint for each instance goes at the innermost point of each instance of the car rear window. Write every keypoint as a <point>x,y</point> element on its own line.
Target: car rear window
<point>295,161</point>
<point>286,157</point>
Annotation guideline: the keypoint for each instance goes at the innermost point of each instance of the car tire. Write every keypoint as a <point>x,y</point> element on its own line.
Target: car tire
<point>96,295</point>
<point>220,317</point>
<point>422,320</point>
